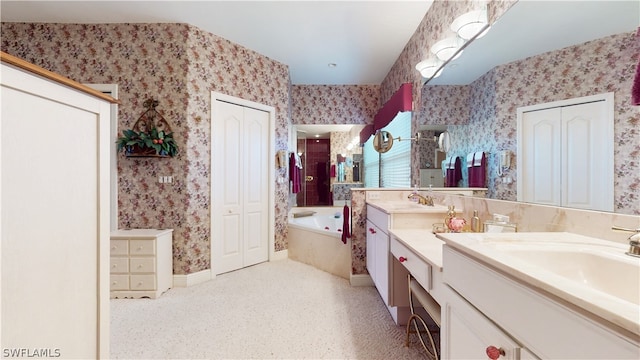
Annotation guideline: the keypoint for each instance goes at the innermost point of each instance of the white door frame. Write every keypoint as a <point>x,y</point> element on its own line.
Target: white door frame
<point>215,98</point>
<point>112,90</point>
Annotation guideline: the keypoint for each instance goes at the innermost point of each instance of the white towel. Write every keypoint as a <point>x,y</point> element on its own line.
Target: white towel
<point>474,159</point>
<point>470,161</point>
<point>477,159</point>
<point>298,161</point>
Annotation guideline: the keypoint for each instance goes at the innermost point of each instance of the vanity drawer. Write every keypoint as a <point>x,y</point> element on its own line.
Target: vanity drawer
<point>143,282</point>
<point>142,247</point>
<point>143,265</point>
<point>119,282</point>
<point>379,218</point>
<point>119,265</point>
<point>119,247</point>
<point>420,269</point>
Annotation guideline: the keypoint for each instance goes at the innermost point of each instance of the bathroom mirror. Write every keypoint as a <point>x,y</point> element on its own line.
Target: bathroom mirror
<point>382,141</point>
<point>527,29</point>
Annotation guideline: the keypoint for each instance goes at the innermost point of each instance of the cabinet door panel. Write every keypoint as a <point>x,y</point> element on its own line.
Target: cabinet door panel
<point>466,333</point>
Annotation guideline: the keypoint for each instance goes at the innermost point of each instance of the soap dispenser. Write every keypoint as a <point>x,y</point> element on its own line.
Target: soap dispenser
<point>451,213</point>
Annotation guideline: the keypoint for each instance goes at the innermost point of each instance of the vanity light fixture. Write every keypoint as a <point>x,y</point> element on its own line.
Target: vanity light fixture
<point>429,68</point>
<point>445,49</point>
<point>469,24</point>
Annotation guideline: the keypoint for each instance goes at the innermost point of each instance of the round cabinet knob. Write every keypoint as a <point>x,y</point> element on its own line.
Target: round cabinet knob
<point>371,230</point>
<point>402,259</point>
<point>494,353</point>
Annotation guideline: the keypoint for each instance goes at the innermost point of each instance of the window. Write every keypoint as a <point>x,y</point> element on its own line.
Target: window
<point>393,168</point>
<point>371,165</point>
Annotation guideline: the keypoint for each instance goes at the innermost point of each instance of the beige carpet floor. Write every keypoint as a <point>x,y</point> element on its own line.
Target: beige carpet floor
<point>275,310</point>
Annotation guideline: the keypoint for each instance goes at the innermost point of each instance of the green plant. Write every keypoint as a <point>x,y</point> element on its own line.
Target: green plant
<point>159,141</point>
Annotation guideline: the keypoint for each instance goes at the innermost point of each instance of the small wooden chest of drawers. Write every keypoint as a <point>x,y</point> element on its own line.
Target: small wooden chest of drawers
<point>141,263</point>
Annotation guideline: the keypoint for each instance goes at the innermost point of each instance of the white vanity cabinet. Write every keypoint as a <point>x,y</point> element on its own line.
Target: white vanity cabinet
<point>389,277</point>
<point>486,307</point>
<point>141,263</point>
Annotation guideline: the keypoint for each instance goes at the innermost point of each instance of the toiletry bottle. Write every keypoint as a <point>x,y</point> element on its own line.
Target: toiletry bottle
<point>475,222</point>
<point>414,192</point>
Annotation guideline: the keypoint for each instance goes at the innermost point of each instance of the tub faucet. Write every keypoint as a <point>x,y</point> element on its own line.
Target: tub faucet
<point>634,241</point>
<point>421,199</point>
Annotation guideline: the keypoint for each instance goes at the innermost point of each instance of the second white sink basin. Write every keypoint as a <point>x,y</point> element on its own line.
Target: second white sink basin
<point>616,274</point>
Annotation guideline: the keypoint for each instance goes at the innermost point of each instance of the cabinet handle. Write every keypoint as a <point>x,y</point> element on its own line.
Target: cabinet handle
<point>402,259</point>
<point>494,353</point>
<point>372,230</point>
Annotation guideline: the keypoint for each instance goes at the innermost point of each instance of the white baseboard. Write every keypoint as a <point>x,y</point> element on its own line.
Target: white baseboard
<point>361,280</point>
<point>279,255</point>
<point>192,279</point>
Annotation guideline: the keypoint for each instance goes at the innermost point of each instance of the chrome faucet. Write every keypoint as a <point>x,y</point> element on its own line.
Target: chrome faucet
<point>634,240</point>
<point>421,199</point>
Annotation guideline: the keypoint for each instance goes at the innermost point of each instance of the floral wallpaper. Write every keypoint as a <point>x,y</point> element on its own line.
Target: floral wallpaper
<point>334,104</point>
<point>595,67</point>
<point>433,27</point>
<point>178,65</point>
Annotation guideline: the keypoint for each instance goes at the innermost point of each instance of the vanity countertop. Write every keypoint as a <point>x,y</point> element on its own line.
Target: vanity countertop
<point>407,207</point>
<point>540,260</point>
<point>423,243</point>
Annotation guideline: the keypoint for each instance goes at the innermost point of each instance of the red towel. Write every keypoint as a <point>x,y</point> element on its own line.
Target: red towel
<point>345,224</point>
<point>477,173</point>
<point>294,175</point>
<point>635,89</point>
<point>454,175</point>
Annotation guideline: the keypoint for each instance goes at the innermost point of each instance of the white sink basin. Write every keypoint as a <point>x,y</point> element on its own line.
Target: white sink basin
<point>599,268</point>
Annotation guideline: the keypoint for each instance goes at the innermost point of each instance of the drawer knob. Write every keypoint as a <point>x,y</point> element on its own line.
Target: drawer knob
<point>402,259</point>
<point>371,230</point>
<point>494,353</point>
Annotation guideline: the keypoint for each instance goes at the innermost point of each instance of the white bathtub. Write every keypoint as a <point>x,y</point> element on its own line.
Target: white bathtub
<point>317,240</point>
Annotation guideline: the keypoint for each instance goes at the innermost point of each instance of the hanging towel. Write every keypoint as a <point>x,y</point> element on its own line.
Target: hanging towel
<point>332,171</point>
<point>295,176</point>
<point>345,224</point>
<point>477,169</point>
<point>635,89</point>
<point>454,172</point>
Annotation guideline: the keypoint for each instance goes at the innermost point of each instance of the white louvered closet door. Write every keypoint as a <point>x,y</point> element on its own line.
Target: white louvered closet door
<point>566,154</point>
<point>239,177</point>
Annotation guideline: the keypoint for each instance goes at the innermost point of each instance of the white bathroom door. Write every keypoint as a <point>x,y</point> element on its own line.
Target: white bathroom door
<point>239,176</point>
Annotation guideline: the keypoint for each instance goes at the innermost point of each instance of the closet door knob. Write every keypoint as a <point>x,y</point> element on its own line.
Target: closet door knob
<point>402,259</point>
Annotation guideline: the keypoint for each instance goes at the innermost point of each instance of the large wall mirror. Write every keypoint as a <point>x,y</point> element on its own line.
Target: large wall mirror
<point>538,52</point>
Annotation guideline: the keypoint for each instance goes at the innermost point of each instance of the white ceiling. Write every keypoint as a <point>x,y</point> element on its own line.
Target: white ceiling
<point>364,38</point>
